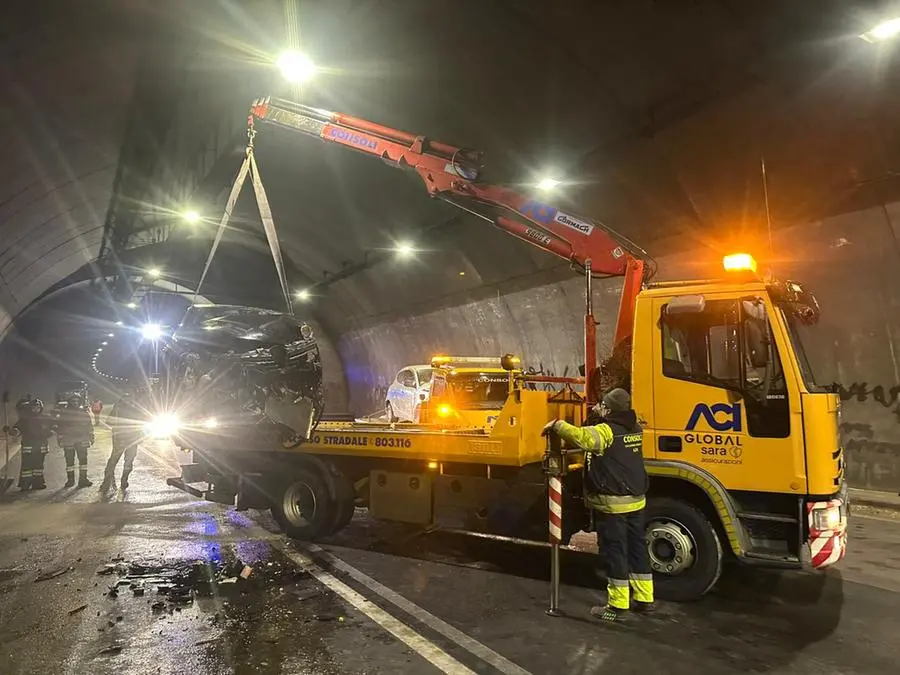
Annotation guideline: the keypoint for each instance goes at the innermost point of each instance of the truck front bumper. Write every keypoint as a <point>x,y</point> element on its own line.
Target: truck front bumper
<point>827,522</point>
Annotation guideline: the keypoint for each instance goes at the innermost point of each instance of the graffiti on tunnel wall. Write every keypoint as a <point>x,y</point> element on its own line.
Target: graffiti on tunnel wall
<point>861,392</point>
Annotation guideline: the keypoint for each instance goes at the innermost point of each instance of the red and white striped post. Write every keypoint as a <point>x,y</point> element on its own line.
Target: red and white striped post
<point>555,468</point>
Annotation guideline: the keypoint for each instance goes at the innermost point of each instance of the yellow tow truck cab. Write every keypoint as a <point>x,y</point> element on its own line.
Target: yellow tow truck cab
<point>467,391</point>
<point>740,441</point>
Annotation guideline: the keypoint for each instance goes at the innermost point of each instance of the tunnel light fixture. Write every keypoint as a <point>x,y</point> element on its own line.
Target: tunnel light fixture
<point>296,67</point>
<point>155,272</point>
<point>548,184</point>
<point>191,216</point>
<point>110,335</point>
<point>883,31</point>
<point>151,331</point>
<point>104,343</point>
<point>302,295</point>
<point>131,305</point>
<point>462,274</point>
<point>119,323</point>
<point>404,249</point>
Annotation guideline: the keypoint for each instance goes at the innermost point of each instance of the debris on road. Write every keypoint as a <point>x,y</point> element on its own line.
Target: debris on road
<point>52,575</point>
<point>112,650</point>
<point>247,571</point>
<point>77,609</point>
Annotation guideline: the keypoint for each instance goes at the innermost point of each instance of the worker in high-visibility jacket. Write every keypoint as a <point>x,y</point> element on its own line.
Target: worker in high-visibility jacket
<point>615,487</point>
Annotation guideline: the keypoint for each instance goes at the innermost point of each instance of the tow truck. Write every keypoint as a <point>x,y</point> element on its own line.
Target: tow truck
<point>740,442</point>
<point>466,391</point>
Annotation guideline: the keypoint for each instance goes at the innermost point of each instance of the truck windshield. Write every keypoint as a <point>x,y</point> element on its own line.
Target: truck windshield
<point>480,391</point>
<point>800,336</point>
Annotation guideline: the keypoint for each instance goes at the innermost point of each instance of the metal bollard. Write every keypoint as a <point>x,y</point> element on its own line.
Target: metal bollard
<point>555,468</point>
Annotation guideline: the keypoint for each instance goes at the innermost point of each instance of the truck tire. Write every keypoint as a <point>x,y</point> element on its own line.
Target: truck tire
<point>303,508</point>
<point>344,502</point>
<point>684,549</point>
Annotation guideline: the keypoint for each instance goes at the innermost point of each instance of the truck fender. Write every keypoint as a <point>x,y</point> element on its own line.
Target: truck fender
<point>339,486</point>
<point>718,496</point>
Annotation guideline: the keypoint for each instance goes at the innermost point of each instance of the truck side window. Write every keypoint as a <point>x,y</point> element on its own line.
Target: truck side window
<point>725,346</point>
<point>703,347</point>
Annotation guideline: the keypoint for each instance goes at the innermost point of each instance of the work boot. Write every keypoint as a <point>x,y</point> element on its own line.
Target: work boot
<point>107,483</point>
<point>643,607</point>
<point>83,479</point>
<point>40,485</point>
<point>70,479</point>
<point>125,479</point>
<point>608,614</point>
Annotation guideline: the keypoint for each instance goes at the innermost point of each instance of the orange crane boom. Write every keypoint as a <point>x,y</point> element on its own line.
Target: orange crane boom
<point>452,174</point>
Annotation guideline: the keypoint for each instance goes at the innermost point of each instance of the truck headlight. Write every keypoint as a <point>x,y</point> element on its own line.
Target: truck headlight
<point>828,518</point>
<point>210,423</point>
<point>162,426</point>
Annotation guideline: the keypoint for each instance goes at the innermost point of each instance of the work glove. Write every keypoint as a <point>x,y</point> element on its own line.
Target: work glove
<point>550,426</point>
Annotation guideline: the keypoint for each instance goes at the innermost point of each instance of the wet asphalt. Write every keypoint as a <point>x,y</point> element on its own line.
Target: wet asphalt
<point>153,581</point>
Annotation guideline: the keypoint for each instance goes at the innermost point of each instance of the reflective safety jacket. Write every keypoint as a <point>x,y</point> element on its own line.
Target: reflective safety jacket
<point>74,426</point>
<point>615,480</point>
<point>35,430</point>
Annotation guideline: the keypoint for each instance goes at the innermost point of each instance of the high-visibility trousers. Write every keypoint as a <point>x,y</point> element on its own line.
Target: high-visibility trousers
<point>622,542</point>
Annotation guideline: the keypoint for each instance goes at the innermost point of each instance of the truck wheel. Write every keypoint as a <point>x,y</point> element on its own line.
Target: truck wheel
<point>684,550</point>
<point>304,509</point>
<point>344,502</point>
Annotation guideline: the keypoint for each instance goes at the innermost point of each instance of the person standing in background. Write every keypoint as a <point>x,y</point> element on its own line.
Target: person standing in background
<point>75,434</point>
<point>96,409</point>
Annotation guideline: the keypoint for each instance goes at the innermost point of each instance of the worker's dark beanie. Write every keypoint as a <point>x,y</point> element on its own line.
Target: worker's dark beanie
<point>617,400</point>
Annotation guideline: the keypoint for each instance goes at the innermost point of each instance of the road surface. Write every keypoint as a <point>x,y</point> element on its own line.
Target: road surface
<point>380,599</point>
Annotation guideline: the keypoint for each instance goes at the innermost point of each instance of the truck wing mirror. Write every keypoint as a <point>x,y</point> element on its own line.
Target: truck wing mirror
<point>686,304</point>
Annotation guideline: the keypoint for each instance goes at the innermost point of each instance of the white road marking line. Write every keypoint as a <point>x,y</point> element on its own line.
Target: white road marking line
<point>453,634</point>
<point>421,645</point>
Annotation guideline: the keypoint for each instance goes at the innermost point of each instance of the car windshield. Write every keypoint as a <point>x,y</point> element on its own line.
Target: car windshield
<point>424,375</point>
<point>801,335</point>
<point>482,391</point>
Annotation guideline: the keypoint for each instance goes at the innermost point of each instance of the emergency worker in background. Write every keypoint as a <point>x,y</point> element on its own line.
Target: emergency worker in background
<point>96,409</point>
<point>75,434</point>
<point>615,485</point>
<point>35,429</point>
<point>127,420</point>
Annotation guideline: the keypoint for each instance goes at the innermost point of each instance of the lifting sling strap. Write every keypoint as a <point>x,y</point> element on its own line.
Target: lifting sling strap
<point>265,214</point>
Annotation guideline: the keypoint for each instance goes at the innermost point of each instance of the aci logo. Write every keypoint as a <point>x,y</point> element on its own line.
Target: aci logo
<point>730,415</point>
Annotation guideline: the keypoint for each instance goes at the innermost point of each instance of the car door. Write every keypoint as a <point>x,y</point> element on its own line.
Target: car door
<point>406,394</point>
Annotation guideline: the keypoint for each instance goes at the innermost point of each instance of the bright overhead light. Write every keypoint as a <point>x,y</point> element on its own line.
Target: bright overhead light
<point>404,249</point>
<point>151,331</point>
<point>302,295</point>
<point>104,343</point>
<point>99,349</point>
<point>119,323</point>
<point>191,216</point>
<point>883,31</point>
<point>131,305</point>
<point>547,184</point>
<point>110,335</point>
<point>154,272</point>
<point>296,67</point>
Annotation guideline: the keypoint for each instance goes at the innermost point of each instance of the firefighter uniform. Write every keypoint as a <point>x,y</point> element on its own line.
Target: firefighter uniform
<point>127,423</point>
<point>35,429</point>
<point>615,485</point>
<point>75,434</point>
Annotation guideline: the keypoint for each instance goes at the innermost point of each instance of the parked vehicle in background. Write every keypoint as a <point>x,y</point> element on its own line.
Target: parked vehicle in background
<point>69,388</point>
<point>409,390</point>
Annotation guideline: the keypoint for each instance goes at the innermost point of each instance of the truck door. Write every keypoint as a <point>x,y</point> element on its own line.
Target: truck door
<point>721,400</point>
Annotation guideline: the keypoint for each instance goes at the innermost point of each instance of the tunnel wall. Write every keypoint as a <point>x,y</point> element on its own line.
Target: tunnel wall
<point>851,262</point>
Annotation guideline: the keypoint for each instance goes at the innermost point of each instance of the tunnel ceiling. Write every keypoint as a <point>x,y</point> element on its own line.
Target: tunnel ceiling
<point>660,110</point>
